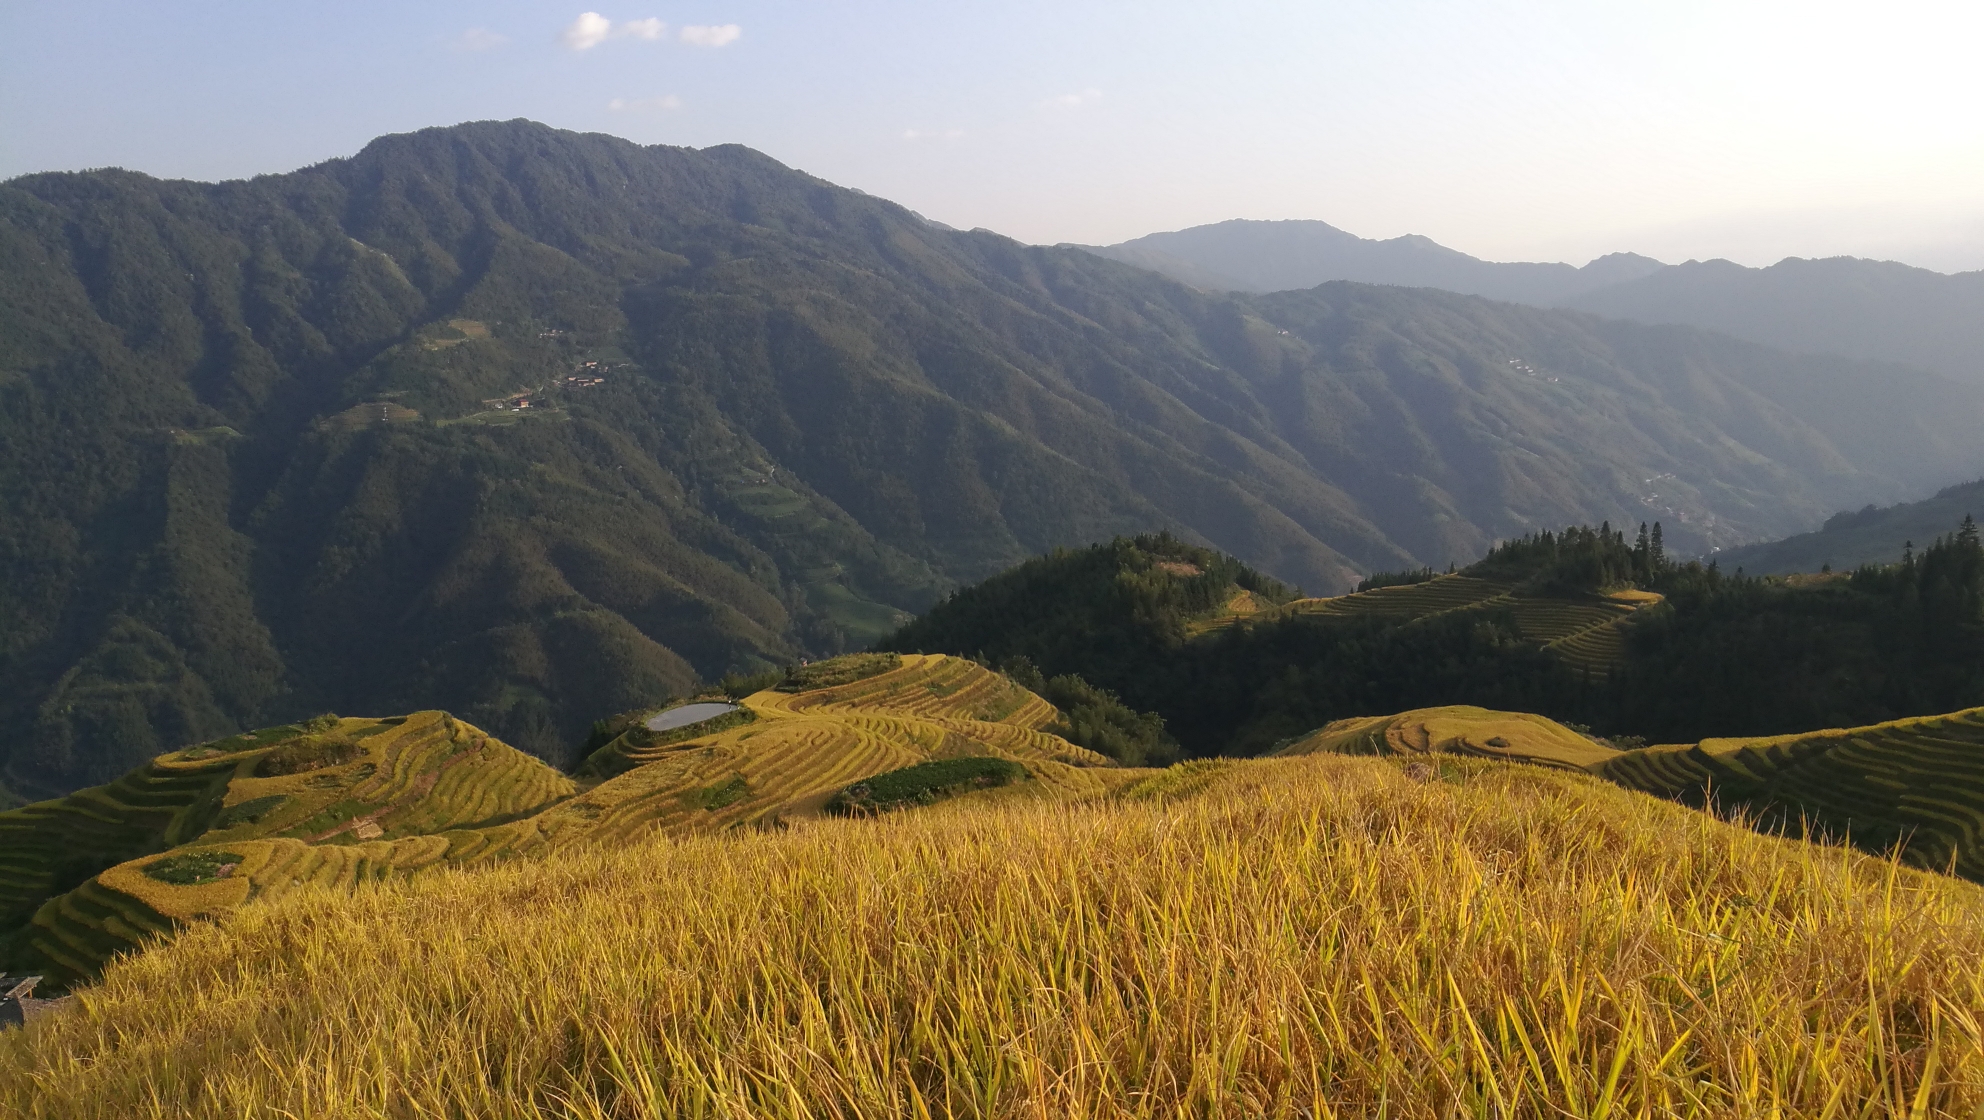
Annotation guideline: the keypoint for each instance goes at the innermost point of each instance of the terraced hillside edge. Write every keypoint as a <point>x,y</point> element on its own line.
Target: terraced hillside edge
<point>1910,788</point>
<point>209,829</point>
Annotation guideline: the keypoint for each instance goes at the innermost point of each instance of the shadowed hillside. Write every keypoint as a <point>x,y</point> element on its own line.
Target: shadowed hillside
<point>532,425</point>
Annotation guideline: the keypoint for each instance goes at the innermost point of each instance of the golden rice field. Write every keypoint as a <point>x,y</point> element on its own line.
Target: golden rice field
<point>1313,936</point>
<point>412,793</point>
<point>1917,784</point>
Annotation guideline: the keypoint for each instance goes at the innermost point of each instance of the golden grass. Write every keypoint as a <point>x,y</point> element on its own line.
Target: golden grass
<point>429,789</point>
<point>1313,936</point>
<point>1458,729</point>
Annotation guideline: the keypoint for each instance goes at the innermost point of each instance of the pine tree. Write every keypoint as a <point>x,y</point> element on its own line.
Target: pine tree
<point>1659,551</point>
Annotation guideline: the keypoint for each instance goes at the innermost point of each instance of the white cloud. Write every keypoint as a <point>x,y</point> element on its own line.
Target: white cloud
<point>1071,100</point>
<point>479,39</point>
<point>714,35</point>
<point>588,31</point>
<point>642,28</point>
<point>660,104</point>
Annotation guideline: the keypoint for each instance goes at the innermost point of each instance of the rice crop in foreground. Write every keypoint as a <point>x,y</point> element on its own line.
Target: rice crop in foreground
<point>1316,936</point>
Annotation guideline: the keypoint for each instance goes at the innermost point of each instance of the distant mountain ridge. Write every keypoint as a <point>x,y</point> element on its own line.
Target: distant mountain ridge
<point>1838,305</point>
<point>1255,256</point>
<point>537,426</point>
<point>1857,308</point>
<point>1873,535</point>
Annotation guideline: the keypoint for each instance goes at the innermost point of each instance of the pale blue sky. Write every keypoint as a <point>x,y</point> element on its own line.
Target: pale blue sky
<point>1751,129</point>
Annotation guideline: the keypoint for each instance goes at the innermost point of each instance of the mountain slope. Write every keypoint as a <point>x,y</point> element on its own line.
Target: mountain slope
<point>534,426</point>
<point>1252,256</point>
<point>1839,305</point>
<point>1873,535</point>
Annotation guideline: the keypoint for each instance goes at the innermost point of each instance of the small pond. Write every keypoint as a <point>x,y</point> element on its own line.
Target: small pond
<point>686,715</point>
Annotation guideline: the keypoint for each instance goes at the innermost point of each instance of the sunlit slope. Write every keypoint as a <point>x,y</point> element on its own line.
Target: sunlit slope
<point>1586,632</point>
<point>258,816</point>
<point>1916,783</point>
<point>1462,730</point>
<point>1297,937</point>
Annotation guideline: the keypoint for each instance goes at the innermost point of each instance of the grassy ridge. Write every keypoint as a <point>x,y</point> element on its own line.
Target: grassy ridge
<point>1916,785</point>
<point>1314,936</point>
<point>1912,787</point>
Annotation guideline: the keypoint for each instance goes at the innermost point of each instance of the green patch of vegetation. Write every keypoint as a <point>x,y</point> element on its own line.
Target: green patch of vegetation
<point>1097,718</point>
<point>1395,579</point>
<point>316,752</point>
<point>926,783</point>
<point>250,811</point>
<point>864,620</point>
<point>188,868</point>
<point>838,671</point>
<point>720,795</point>
<point>739,685</point>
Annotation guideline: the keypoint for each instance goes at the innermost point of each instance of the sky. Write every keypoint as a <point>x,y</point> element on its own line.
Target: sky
<point>1510,129</point>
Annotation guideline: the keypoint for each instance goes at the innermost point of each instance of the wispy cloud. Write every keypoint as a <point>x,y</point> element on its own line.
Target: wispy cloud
<point>479,39</point>
<point>711,35</point>
<point>591,29</point>
<point>588,31</point>
<point>914,134</point>
<point>661,104</point>
<point>1070,100</point>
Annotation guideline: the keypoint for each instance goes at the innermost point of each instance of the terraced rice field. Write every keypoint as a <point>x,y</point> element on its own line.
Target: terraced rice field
<point>1462,730</point>
<point>1914,783</point>
<point>1415,600</point>
<point>371,798</point>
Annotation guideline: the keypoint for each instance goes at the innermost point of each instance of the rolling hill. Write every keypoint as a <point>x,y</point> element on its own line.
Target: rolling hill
<point>203,831</point>
<point>529,425</point>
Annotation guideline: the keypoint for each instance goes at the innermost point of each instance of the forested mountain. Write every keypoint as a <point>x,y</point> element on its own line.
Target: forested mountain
<point>1872,535</point>
<point>1839,305</point>
<point>538,426</point>
<point>1252,256</point>
<point>1529,627</point>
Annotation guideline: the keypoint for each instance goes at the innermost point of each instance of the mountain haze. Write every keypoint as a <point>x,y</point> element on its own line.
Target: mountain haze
<point>1838,305</point>
<point>1253,256</point>
<point>1876,310</point>
<point>1872,535</point>
<point>262,452</point>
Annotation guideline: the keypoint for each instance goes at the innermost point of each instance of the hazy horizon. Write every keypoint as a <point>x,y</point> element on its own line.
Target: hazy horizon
<point>1511,131</point>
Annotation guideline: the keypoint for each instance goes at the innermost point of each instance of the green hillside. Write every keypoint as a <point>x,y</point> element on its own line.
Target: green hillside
<point>1581,626</point>
<point>531,425</point>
